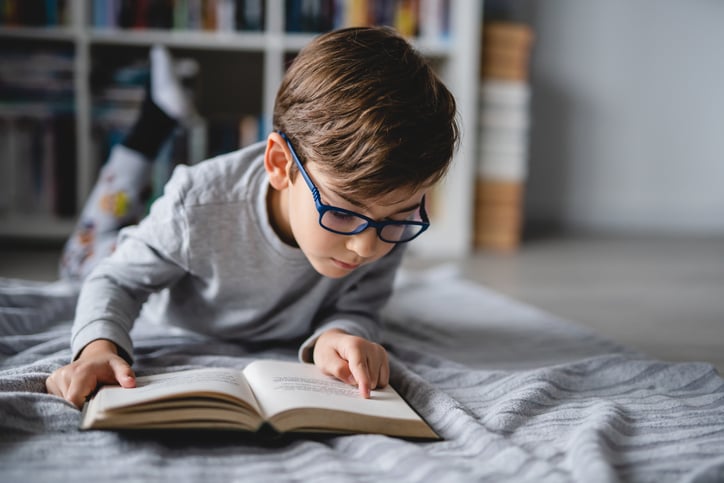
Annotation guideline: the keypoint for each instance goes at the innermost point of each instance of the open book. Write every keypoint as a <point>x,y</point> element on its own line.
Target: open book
<point>286,396</point>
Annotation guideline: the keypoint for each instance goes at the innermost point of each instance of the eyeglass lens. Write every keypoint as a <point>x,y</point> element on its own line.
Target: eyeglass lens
<point>343,222</point>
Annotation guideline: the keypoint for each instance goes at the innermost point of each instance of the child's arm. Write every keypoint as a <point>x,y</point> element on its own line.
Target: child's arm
<point>352,359</point>
<point>149,257</point>
<point>98,363</point>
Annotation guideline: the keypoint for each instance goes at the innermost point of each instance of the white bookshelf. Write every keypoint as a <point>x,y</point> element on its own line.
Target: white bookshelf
<point>457,58</point>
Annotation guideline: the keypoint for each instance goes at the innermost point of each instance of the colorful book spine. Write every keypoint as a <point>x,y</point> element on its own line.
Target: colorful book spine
<point>428,19</point>
<point>33,13</point>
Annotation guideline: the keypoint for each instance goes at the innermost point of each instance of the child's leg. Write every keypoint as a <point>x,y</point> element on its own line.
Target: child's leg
<point>120,194</point>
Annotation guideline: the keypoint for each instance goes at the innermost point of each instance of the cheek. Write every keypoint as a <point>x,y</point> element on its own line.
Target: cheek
<point>383,248</point>
<point>304,221</point>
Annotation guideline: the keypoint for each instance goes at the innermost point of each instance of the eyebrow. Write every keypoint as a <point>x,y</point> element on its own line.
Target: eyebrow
<point>361,206</point>
<point>352,201</point>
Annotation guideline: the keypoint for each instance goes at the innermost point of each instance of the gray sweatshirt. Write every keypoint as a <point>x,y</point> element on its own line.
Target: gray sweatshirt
<point>207,261</point>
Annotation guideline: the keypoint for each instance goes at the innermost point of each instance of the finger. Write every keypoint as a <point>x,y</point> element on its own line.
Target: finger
<point>360,372</point>
<point>384,373</point>
<point>79,390</point>
<point>52,387</point>
<point>58,382</point>
<point>333,365</point>
<point>123,373</point>
<point>373,369</point>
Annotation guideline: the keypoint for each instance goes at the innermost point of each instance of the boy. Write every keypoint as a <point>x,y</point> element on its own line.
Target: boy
<point>294,239</point>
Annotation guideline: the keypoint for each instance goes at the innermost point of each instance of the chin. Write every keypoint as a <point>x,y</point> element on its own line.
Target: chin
<point>327,268</point>
<point>332,272</point>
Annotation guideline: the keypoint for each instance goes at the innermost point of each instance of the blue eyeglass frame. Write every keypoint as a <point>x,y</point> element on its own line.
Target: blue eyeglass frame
<point>369,222</point>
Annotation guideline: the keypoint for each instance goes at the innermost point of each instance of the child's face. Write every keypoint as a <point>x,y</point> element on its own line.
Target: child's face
<point>331,254</point>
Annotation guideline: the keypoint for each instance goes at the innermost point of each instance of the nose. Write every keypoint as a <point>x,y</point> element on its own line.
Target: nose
<point>364,244</point>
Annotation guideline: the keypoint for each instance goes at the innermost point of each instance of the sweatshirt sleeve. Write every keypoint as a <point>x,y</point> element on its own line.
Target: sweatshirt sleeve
<point>149,257</point>
<point>357,309</point>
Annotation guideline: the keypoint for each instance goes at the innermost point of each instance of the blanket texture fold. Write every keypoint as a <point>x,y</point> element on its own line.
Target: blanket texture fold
<point>517,395</point>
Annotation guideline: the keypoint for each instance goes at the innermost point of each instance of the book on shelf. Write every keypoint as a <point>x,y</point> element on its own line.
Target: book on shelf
<point>206,15</point>
<point>268,396</point>
<point>34,13</point>
<point>38,164</point>
<point>309,16</point>
<point>428,19</point>
<point>37,76</point>
<point>38,125</point>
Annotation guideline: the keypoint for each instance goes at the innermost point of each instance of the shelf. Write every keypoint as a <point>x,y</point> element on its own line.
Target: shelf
<point>455,55</point>
<point>243,41</point>
<point>66,34</point>
<point>32,110</point>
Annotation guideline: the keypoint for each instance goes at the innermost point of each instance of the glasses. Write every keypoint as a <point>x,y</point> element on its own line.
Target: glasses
<point>346,222</point>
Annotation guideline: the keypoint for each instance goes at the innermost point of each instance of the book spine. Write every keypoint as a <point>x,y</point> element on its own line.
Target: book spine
<point>412,18</point>
<point>159,14</point>
<point>36,91</point>
<point>100,13</point>
<point>226,15</point>
<point>250,15</point>
<point>407,20</point>
<point>52,13</point>
<point>208,15</point>
<point>195,16</point>
<point>293,15</point>
<point>181,15</point>
<point>432,16</point>
<point>357,13</point>
<point>32,13</point>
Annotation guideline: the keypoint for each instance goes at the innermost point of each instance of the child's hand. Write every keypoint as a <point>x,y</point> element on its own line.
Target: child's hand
<point>98,363</point>
<point>352,359</point>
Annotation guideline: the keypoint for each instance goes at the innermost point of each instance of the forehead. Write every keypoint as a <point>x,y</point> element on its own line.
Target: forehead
<point>331,187</point>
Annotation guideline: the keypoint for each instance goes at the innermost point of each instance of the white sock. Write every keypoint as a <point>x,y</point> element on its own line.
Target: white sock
<point>166,90</point>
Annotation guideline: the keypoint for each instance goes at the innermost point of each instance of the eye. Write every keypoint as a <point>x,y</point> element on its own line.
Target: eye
<point>413,215</point>
<point>339,216</point>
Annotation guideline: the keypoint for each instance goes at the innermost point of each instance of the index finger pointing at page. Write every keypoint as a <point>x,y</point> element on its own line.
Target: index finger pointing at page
<point>360,372</point>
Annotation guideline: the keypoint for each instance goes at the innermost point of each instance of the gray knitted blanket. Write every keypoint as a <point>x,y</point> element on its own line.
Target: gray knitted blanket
<point>516,394</point>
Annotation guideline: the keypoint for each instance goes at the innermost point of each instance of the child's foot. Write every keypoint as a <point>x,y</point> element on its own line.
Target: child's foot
<point>167,92</point>
<point>167,104</point>
<point>119,197</point>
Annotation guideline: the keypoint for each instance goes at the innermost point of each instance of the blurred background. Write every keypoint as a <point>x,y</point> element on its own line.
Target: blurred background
<point>627,115</point>
<point>588,183</point>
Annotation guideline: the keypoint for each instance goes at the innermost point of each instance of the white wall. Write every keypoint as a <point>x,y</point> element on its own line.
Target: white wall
<point>628,115</point>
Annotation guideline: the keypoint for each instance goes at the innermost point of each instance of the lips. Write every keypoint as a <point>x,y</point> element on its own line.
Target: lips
<point>345,265</point>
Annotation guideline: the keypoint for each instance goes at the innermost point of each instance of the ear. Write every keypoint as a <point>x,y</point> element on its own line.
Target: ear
<point>277,161</point>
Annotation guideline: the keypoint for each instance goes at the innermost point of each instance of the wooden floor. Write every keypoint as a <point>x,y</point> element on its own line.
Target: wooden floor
<point>664,297</point>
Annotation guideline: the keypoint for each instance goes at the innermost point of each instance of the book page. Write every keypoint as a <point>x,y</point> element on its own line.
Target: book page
<point>280,386</point>
<point>227,382</point>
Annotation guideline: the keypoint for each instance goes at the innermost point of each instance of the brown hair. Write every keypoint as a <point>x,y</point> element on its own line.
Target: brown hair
<point>369,110</point>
